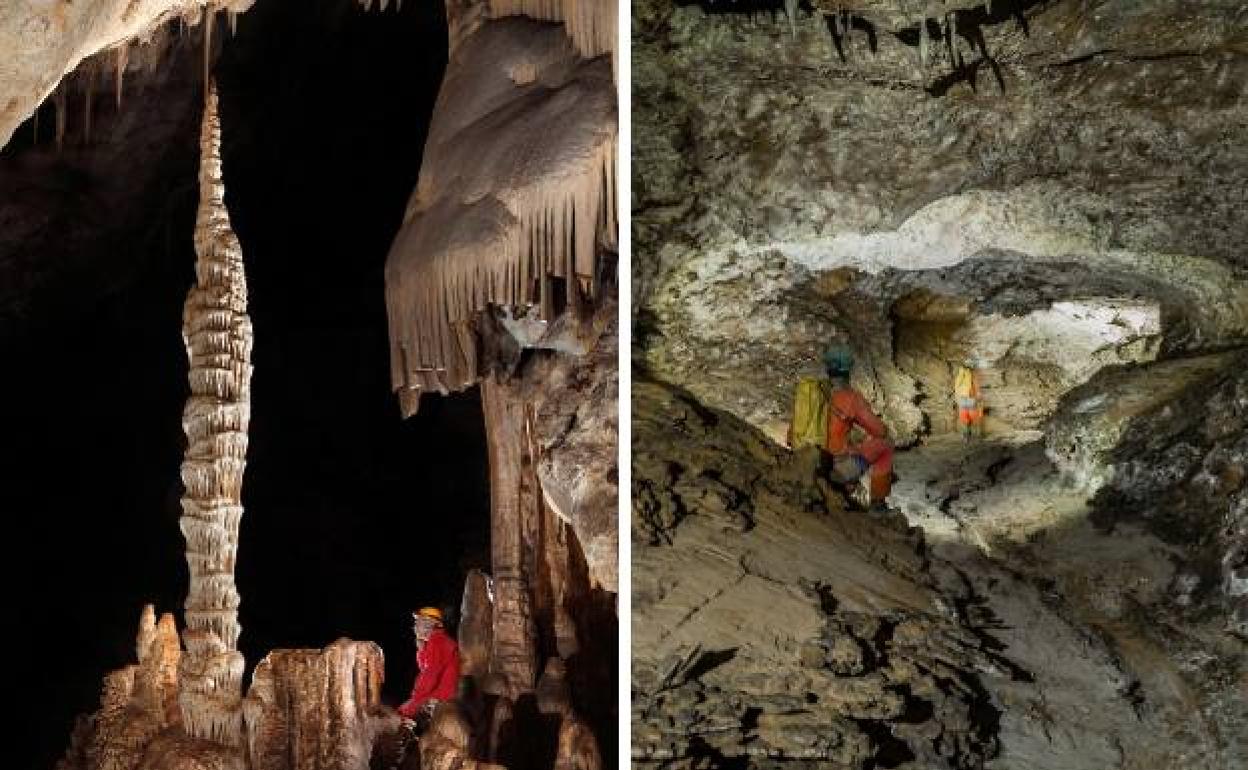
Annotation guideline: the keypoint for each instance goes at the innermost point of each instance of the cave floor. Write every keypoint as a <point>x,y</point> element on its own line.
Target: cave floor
<point>1071,604</point>
<point>997,488</point>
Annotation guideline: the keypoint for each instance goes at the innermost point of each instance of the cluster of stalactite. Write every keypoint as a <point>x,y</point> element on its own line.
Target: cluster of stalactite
<point>591,25</point>
<point>548,259</point>
<point>218,336</point>
<point>382,5</point>
<point>520,221</point>
<point>104,73</point>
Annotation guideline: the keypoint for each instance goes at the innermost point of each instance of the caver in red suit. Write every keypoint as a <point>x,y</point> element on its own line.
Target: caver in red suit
<point>438,659</point>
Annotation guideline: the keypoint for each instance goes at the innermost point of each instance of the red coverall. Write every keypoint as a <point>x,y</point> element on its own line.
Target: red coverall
<point>849,408</point>
<point>438,660</point>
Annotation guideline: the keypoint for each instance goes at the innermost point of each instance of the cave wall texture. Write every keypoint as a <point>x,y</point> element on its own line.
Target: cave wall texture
<point>775,172</point>
<point>1054,189</point>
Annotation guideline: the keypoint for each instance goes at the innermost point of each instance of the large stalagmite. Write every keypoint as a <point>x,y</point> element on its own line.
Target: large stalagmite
<point>218,337</point>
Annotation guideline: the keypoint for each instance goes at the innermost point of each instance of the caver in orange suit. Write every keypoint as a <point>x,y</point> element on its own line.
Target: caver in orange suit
<point>848,409</point>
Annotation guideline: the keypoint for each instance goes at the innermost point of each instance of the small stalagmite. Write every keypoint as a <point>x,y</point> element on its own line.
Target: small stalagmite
<point>578,749</point>
<point>218,337</point>
<point>476,626</point>
<point>315,709</point>
<point>446,744</point>
<point>138,703</point>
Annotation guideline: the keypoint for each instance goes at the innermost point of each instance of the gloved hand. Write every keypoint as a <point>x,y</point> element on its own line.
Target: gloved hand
<point>847,467</point>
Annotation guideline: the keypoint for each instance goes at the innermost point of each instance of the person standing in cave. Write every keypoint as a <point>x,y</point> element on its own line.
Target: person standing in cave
<point>966,392</point>
<point>847,408</point>
<point>437,656</point>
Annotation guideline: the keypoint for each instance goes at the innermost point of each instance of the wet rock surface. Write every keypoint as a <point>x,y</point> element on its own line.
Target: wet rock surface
<point>1026,161</point>
<point>1054,190</point>
<point>771,625</point>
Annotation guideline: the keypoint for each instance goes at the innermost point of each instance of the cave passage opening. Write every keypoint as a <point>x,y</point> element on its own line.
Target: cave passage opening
<point>353,516</point>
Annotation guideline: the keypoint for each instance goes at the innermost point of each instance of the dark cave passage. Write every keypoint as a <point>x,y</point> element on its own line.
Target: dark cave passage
<point>353,517</point>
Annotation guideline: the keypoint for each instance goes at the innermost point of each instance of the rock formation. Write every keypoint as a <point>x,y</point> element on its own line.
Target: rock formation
<point>218,337</point>
<point>772,625</point>
<point>54,37</point>
<point>316,709</point>
<point>502,276</point>
<point>305,709</point>
<point>1054,189</point>
<point>515,199</point>
<point>1044,169</point>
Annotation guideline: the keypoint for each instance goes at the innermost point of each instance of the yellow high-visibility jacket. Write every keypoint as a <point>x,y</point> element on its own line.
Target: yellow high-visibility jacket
<point>966,384</point>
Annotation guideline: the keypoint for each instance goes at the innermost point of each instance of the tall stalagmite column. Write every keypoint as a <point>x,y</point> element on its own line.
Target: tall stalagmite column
<point>218,337</point>
<point>514,634</point>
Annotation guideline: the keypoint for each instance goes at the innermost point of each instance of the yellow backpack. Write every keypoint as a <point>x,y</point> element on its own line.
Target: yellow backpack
<point>964,383</point>
<point>810,412</point>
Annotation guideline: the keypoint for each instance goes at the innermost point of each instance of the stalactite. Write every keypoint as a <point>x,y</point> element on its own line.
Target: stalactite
<point>790,10</point>
<point>557,234</point>
<point>210,16</point>
<point>955,53</point>
<point>123,58</point>
<point>847,40</point>
<point>218,337</point>
<point>59,102</point>
<point>35,127</point>
<point>923,44</point>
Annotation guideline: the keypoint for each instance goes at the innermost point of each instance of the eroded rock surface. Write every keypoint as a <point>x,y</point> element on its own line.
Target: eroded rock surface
<point>305,710</point>
<point>317,709</point>
<point>772,624</point>
<point>1039,153</point>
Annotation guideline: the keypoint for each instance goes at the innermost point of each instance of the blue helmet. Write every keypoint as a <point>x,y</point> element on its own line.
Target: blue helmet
<point>838,360</point>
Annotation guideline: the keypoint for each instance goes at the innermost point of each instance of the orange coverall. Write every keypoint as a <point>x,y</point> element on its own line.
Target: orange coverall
<point>849,408</point>
<point>966,392</point>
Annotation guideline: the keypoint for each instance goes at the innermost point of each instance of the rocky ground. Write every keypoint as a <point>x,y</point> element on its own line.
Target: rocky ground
<point>1054,188</point>
<point>1005,630</point>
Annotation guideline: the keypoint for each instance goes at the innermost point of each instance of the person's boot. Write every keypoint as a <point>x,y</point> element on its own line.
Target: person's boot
<point>880,487</point>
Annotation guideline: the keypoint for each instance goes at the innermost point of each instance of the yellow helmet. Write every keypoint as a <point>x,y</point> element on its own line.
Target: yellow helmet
<point>432,613</point>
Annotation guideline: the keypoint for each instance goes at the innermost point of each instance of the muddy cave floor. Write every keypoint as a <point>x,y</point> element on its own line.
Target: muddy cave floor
<point>986,621</point>
<point>998,511</point>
